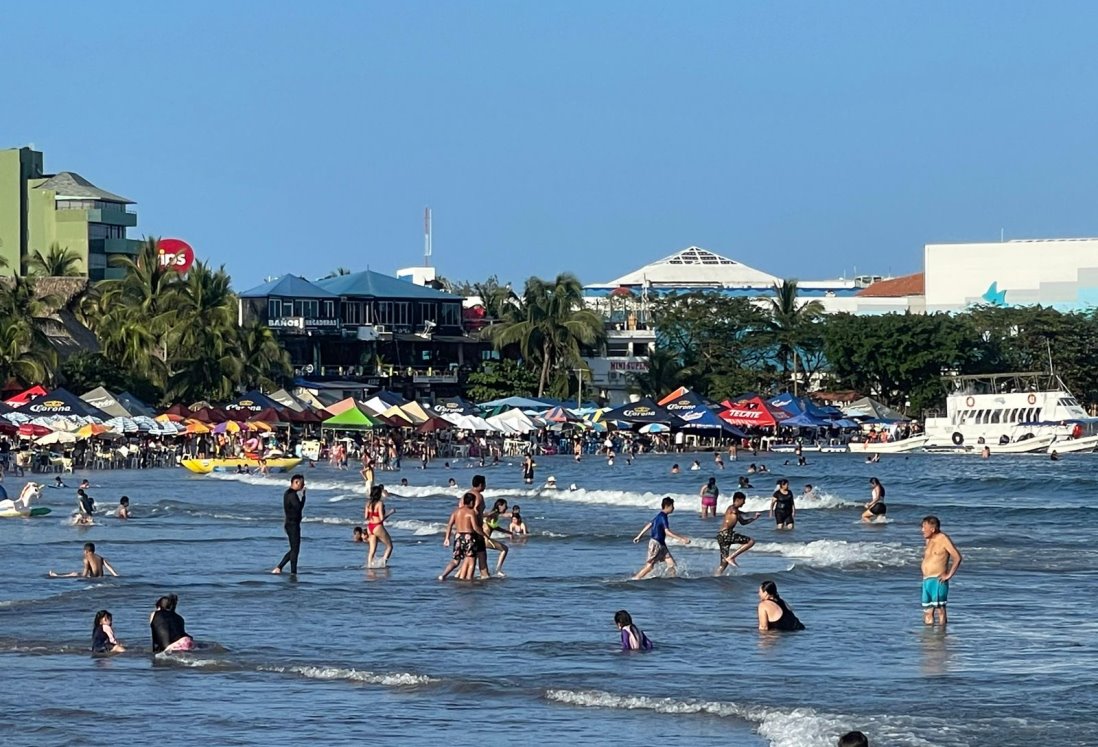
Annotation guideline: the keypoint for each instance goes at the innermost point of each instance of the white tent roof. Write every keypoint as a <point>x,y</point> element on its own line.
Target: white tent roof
<point>697,266</point>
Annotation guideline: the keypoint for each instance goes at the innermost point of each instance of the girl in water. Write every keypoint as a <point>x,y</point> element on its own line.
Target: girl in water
<point>774,613</point>
<point>709,493</point>
<point>103,640</point>
<point>632,637</point>
<point>876,508</point>
<point>518,526</point>
<point>375,526</point>
<point>491,524</point>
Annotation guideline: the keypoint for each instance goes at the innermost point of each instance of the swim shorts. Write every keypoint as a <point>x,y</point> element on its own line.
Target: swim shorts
<point>782,516</point>
<point>463,546</point>
<point>657,552</point>
<point>935,593</point>
<point>878,509</point>
<point>709,500</point>
<point>727,537</point>
<point>479,545</point>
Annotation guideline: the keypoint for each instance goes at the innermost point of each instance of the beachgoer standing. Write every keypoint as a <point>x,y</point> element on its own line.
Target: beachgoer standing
<point>293,505</point>
<point>941,559</point>
<point>781,506</point>
<point>658,530</point>
<point>709,493</point>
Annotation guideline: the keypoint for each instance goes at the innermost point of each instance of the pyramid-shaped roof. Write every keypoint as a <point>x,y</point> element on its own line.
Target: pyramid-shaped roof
<point>288,286</point>
<point>696,266</point>
<point>62,402</point>
<point>101,398</point>
<point>372,284</point>
<point>70,185</point>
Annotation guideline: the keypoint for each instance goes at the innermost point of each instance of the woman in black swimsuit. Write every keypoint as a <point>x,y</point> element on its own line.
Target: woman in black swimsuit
<point>774,613</point>
<point>876,507</point>
<point>781,506</point>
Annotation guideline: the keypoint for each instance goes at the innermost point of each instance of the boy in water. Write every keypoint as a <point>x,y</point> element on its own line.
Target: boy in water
<point>93,565</point>
<point>659,529</point>
<point>463,523</point>
<point>123,511</point>
<point>728,536</point>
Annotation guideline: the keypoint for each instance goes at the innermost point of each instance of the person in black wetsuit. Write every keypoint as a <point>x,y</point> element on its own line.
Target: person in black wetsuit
<point>781,506</point>
<point>168,627</point>
<point>774,614</point>
<point>293,504</point>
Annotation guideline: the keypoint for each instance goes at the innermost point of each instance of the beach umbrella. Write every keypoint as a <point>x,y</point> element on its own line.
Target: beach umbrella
<point>34,430</point>
<point>434,424</point>
<point>122,425</point>
<point>169,417</point>
<point>89,431</point>
<point>229,426</point>
<point>57,437</point>
<point>196,427</point>
<point>258,425</point>
<point>654,428</point>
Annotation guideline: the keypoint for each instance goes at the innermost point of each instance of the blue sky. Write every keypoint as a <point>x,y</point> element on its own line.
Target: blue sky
<point>803,138</point>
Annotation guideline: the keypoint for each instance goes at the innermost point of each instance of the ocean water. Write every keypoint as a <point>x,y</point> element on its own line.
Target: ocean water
<point>342,652</point>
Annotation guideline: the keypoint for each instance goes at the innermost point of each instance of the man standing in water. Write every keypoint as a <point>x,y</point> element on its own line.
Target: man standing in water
<point>941,560</point>
<point>659,530</point>
<point>480,545</point>
<point>293,504</point>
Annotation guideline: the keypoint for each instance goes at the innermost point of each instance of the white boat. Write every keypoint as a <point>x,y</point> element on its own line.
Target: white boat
<point>914,443</point>
<point>1073,445</point>
<point>1013,413</point>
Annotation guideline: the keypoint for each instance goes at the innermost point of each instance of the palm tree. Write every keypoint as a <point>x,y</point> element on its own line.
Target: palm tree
<point>790,324</point>
<point>665,374</point>
<point>337,272</point>
<point>264,361</point>
<point>57,262</point>
<point>550,325</point>
<point>25,350</point>
<point>205,358</point>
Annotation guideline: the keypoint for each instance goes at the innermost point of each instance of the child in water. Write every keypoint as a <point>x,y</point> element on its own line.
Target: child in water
<point>356,535</point>
<point>518,526</point>
<point>632,637</point>
<point>103,640</point>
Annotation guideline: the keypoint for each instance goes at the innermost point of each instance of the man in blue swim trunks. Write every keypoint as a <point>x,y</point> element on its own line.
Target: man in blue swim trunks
<point>941,560</point>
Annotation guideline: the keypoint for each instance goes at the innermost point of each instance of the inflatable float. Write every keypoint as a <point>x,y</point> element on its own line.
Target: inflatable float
<point>21,507</point>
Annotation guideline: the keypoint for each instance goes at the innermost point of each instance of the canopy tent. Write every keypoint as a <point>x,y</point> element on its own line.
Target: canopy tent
<point>804,420</point>
<point>307,397</point>
<point>415,411</point>
<point>383,400</point>
<point>285,399</point>
<point>434,424</point>
<point>250,402</point>
<point>515,420</point>
<point>696,413</point>
<point>304,417</point>
<point>798,405</point>
<point>523,403</point>
<point>26,396</point>
<point>867,407</point>
<point>558,415</point>
<point>270,415</point>
<point>215,415</point>
<point>751,410</point>
<point>642,412</point>
<point>100,398</point>
<point>134,405</point>
<point>343,404</point>
<point>178,410</point>
<point>62,402</point>
<point>454,405</point>
<point>351,418</point>
<point>397,416</point>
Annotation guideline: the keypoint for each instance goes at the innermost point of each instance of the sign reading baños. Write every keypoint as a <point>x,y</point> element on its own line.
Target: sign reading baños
<point>175,254</point>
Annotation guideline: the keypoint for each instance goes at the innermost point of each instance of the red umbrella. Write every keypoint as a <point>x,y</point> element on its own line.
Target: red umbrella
<point>270,416</point>
<point>34,431</point>
<point>434,424</point>
<point>177,409</point>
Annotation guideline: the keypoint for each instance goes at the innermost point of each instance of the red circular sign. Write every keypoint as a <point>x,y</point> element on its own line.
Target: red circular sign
<point>175,254</point>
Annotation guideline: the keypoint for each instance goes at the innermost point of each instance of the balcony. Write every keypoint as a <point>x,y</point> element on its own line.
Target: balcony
<point>108,216</point>
<point>114,246</point>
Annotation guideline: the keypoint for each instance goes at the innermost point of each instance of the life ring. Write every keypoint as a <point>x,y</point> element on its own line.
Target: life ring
<point>970,402</point>
<point>1032,399</point>
<point>958,439</point>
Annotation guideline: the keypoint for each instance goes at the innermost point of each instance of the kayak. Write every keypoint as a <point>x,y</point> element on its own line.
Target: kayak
<point>206,466</point>
<point>27,513</point>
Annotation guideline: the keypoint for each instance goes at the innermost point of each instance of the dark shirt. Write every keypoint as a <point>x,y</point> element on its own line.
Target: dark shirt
<point>784,499</point>
<point>293,504</point>
<point>167,628</point>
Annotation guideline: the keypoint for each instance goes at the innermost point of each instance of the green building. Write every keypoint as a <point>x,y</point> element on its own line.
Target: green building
<point>39,209</point>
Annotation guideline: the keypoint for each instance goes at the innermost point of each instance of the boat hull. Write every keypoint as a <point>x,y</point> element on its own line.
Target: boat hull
<point>1073,445</point>
<point>890,447</point>
<point>206,466</point>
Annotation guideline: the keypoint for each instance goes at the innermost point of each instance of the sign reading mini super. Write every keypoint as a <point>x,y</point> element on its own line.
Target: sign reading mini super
<point>175,254</point>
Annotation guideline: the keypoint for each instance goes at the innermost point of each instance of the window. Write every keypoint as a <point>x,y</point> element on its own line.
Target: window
<point>329,310</point>
<point>352,312</point>
<point>306,308</point>
<point>104,231</point>
<point>384,312</point>
<point>402,313</point>
<point>995,415</point>
<point>451,315</point>
<point>427,312</point>
<point>274,308</point>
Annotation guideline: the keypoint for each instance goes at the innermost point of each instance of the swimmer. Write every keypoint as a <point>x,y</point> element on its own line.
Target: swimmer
<point>695,466</point>
<point>876,508</point>
<point>404,482</point>
<point>59,483</point>
<point>809,491</point>
<point>518,526</point>
<point>985,453</point>
<point>491,524</point>
<point>659,529</point>
<point>801,461</point>
<point>85,507</point>
<point>941,560</point>
<point>84,484</point>
<point>375,526</point>
<point>745,484</point>
<point>762,468</point>
<point>1054,456</point>
<point>550,483</point>
<point>709,493</point>
<point>169,630</point>
<point>463,525</point>
<point>781,506</point>
<point>717,459</point>
<point>675,469</point>
<point>356,535</point>
<point>728,535</point>
<point>312,464</point>
<point>632,637</point>
<point>854,739</point>
<point>610,460</point>
<point>93,565</point>
<point>452,483</point>
<point>103,640</point>
<point>774,613</point>
<point>123,511</point>
<point>873,459</point>
<point>752,469</point>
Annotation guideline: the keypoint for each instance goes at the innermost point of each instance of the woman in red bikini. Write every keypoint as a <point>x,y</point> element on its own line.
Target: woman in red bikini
<point>375,526</point>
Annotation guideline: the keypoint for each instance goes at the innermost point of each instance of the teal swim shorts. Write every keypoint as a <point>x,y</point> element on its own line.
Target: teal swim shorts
<point>935,593</point>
